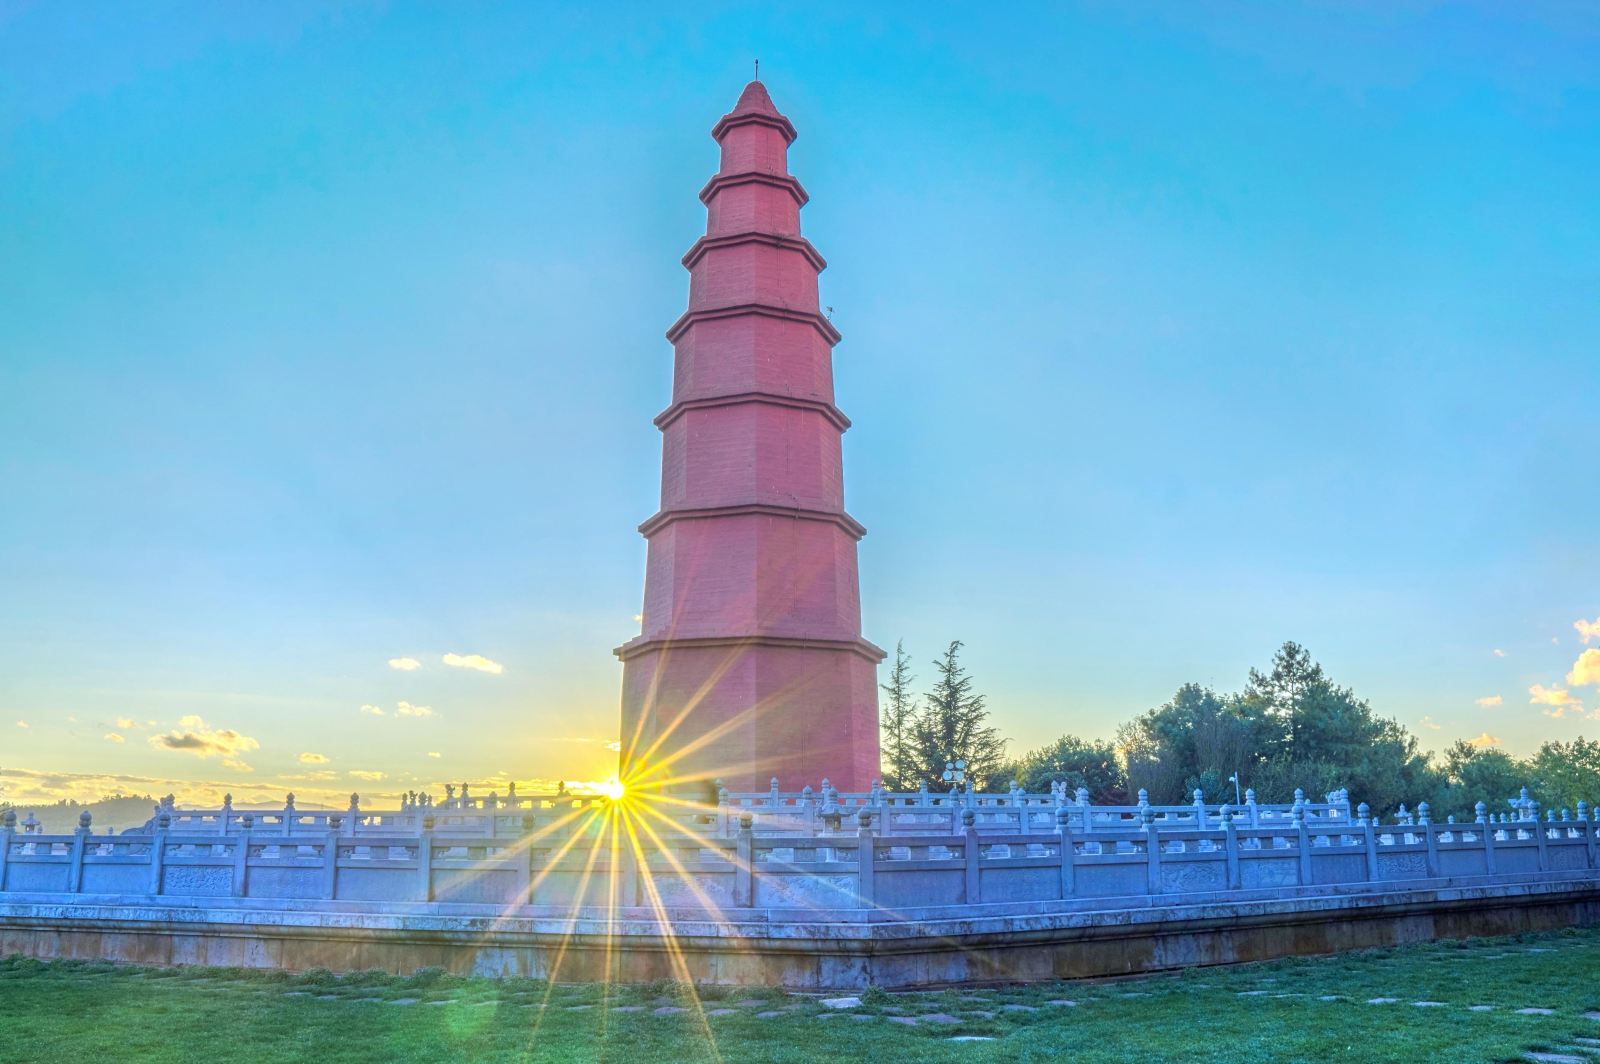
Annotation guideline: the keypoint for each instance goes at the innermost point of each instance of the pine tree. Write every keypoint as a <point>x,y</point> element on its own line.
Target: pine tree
<point>898,721</point>
<point>953,724</point>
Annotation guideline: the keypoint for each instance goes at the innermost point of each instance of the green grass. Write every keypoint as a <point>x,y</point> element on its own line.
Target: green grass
<point>91,1012</point>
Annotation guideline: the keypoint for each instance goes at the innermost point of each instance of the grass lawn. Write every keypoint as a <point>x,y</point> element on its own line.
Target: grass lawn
<point>1354,1007</point>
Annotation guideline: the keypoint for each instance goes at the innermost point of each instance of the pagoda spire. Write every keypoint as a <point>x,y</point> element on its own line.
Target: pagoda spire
<point>750,663</point>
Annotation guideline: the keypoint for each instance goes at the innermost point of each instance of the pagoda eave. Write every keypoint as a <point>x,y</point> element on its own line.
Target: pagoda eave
<point>855,529</point>
<point>682,406</point>
<point>789,184</point>
<point>776,240</point>
<point>770,310</point>
<point>642,645</point>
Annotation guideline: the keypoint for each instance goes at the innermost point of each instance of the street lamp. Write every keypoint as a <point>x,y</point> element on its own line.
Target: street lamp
<point>1234,779</point>
<point>955,774</point>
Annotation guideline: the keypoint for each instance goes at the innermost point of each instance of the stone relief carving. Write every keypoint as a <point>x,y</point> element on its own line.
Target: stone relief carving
<point>209,881</point>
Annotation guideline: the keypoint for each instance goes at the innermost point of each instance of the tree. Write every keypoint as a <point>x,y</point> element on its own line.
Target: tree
<point>953,723</point>
<point>1567,773</point>
<point>900,762</point>
<point>1077,763</point>
<point>1476,774</point>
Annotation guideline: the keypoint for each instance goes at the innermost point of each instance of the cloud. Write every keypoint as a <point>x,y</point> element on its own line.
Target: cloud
<point>313,759</point>
<point>194,736</point>
<point>433,753</point>
<point>1484,740</point>
<point>372,711</point>
<point>315,776</point>
<point>1427,722</point>
<point>23,724</point>
<point>406,709</point>
<point>473,661</point>
<point>615,745</point>
<point>1499,653</point>
<point>404,664</point>
<point>1587,630</point>
<point>1586,670</point>
<point>1490,700</point>
<point>1540,695</point>
<point>113,737</point>
<point>364,774</point>
<point>127,723</point>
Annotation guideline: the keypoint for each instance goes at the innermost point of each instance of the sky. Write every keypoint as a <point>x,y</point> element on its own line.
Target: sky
<point>331,335</point>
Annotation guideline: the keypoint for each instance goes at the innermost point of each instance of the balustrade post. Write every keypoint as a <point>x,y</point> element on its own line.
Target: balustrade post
<point>1230,847</point>
<point>288,814</point>
<point>80,840</point>
<point>1587,821</point>
<point>969,851</point>
<point>1426,821</point>
<point>1482,826</point>
<point>1364,815</point>
<point>866,861</point>
<point>158,849</point>
<point>227,814</point>
<point>1068,851</point>
<point>425,859</point>
<point>1083,804</point>
<point>241,855</point>
<point>8,829</point>
<point>330,857</point>
<point>523,870</point>
<point>1152,847</point>
<point>1537,827</point>
<point>1250,807</point>
<point>744,869</point>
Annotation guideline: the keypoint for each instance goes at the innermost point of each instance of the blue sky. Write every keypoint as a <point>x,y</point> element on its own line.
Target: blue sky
<point>331,334</point>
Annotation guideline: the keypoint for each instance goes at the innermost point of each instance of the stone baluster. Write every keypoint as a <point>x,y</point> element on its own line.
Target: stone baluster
<point>511,795</point>
<point>808,809</point>
<point>1085,810</point>
<point>1199,809</point>
<point>1538,833</point>
<point>1302,841</point>
<point>353,814</point>
<point>449,795</point>
<point>288,813</point>
<point>774,797</point>
<point>1250,807</point>
<point>227,814</point>
<point>923,800</point>
<point>1485,827</point>
<point>724,799</point>
<point>1152,846</point>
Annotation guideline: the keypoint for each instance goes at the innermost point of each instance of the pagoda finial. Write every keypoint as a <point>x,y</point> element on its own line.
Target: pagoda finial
<point>758,71</point>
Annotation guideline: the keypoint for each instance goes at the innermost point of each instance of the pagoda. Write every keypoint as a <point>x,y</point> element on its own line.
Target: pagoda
<point>750,664</point>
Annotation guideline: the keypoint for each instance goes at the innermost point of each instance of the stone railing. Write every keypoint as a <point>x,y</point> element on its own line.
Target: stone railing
<point>854,867</point>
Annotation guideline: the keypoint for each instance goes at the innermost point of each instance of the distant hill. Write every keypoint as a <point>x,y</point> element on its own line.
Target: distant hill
<point>117,813</point>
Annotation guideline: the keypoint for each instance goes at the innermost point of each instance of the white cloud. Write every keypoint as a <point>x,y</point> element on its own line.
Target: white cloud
<point>404,664</point>
<point>434,753</point>
<point>313,759</point>
<point>113,737</point>
<point>615,745</point>
<point>194,736</point>
<point>1499,653</point>
<point>127,723</point>
<point>1540,695</point>
<point>23,724</point>
<point>1586,670</point>
<point>1490,700</point>
<point>1484,740</point>
<point>1427,722</point>
<point>406,709</point>
<point>372,711</point>
<point>473,661</point>
<point>1587,630</point>
<point>364,774</point>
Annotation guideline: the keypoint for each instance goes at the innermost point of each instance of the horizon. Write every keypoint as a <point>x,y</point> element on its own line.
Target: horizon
<point>325,397</point>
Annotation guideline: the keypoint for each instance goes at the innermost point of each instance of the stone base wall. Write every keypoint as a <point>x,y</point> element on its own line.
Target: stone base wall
<point>789,948</point>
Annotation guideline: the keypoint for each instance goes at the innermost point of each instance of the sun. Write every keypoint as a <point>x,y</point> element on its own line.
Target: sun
<point>613,789</point>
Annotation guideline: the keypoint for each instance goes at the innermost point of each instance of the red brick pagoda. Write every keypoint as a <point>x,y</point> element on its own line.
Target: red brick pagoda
<point>750,663</point>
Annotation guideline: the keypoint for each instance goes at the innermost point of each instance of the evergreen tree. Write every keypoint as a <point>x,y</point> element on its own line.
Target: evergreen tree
<point>953,724</point>
<point>901,766</point>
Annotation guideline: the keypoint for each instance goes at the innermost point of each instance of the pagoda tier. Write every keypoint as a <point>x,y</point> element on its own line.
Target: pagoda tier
<point>750,663</point>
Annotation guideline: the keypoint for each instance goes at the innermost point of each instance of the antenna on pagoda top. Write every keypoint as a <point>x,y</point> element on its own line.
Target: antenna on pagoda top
<point>758,70</point>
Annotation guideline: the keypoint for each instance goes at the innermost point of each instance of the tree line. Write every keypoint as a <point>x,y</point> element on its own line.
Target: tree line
<point>1289,726</point>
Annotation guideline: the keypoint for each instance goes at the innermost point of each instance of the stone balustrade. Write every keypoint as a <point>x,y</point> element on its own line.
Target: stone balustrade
<point>1024,852</point>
